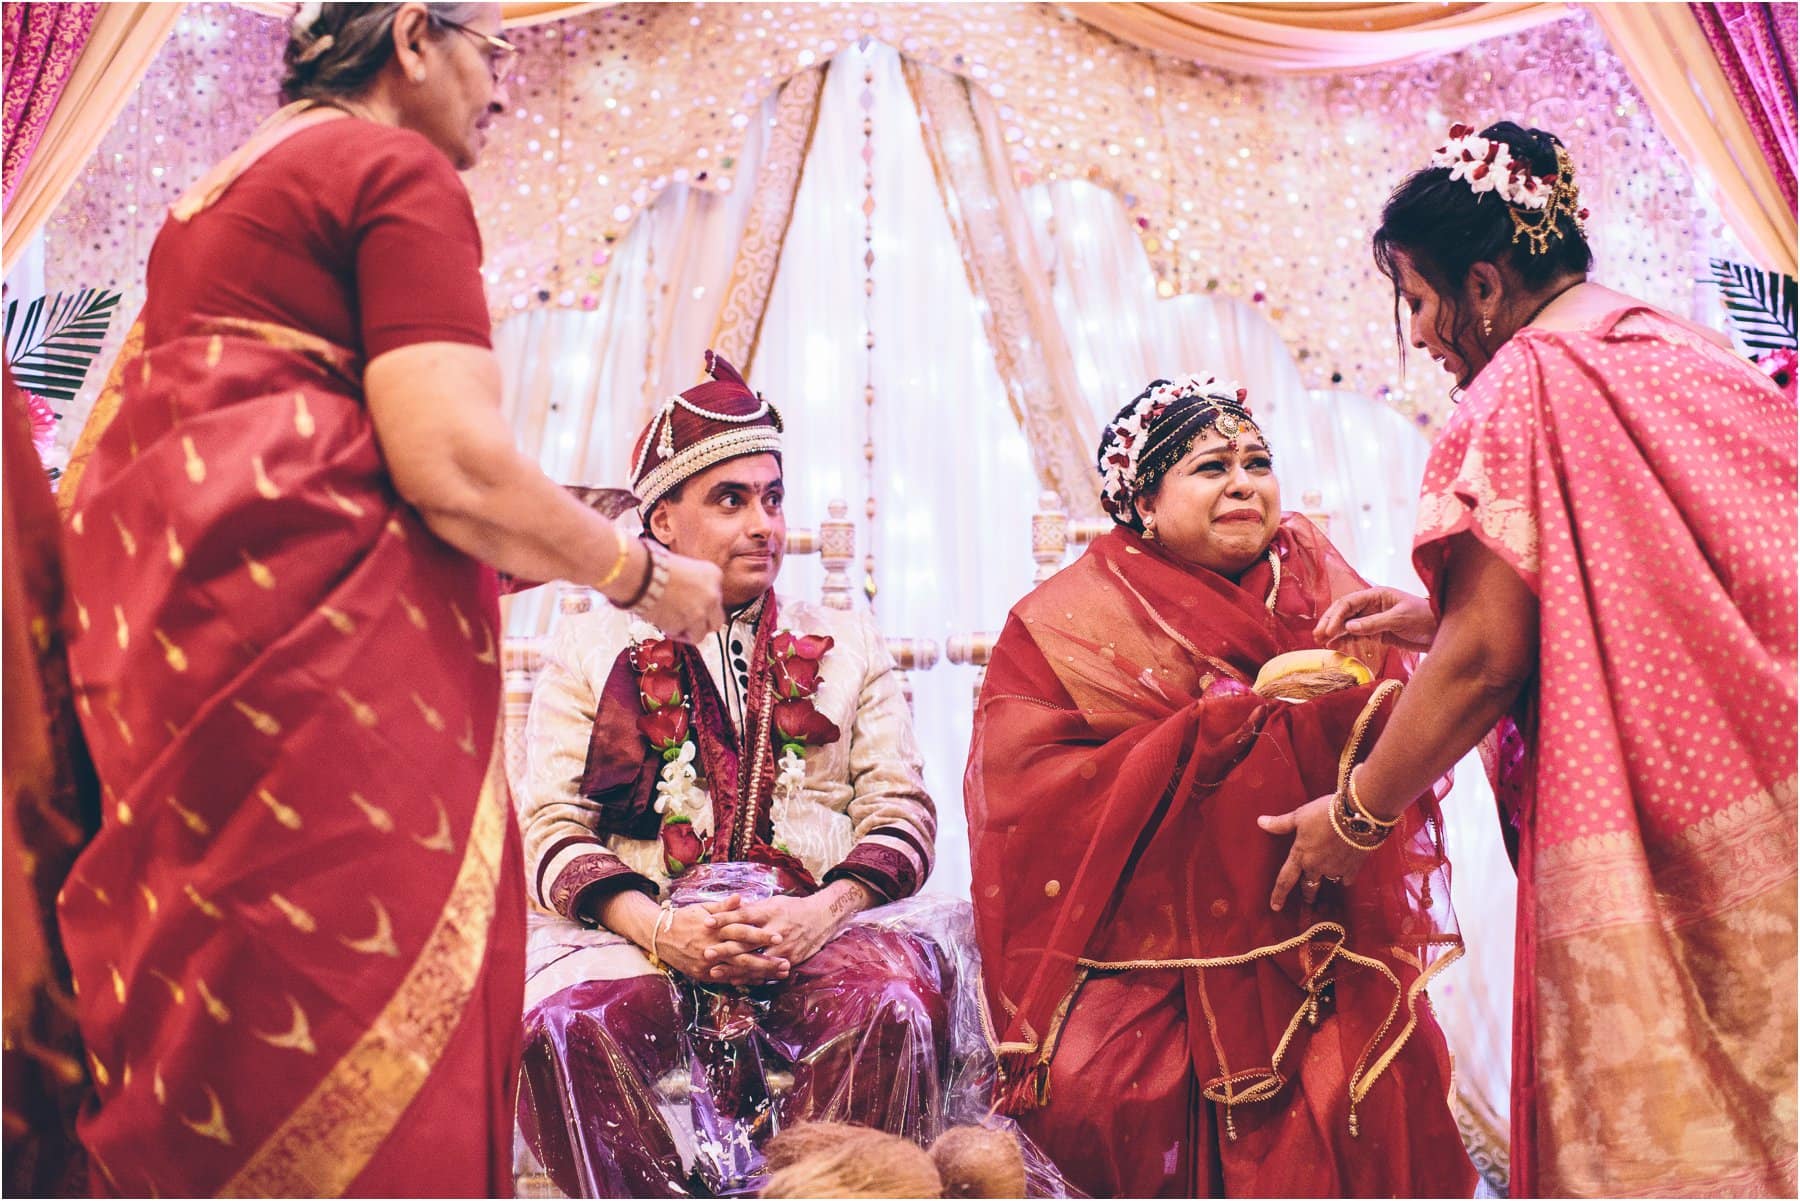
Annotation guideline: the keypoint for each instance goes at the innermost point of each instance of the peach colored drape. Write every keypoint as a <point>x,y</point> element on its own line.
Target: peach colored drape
<point>1676,71</point>
<point>124,40</point>
<point>1311,38</point>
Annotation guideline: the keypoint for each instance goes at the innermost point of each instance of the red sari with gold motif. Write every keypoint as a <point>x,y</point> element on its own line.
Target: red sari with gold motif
<point>298,936</point>
<point>1161,1032</point>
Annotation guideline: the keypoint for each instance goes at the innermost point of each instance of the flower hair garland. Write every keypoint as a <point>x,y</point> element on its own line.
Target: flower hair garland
<point>1488,165</point>
<point>306,16</point>
<point>1122,444</point>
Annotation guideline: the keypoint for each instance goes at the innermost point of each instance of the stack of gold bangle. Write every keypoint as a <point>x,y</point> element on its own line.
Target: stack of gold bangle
<point>1350,819</point>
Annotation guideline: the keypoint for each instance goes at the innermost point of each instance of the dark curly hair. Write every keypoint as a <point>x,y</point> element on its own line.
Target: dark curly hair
<point>1445,228</point>
<point>362,43</point>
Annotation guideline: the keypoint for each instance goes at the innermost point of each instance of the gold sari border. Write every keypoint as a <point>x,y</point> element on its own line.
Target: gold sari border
<point>1727,858</point>
<point>99,419</point>
<point>330,1138</point>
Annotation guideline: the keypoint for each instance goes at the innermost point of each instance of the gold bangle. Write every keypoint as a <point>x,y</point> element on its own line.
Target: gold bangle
<point>1356,801</point>
<point>1339,831</point>
<point>663,919</point>
<point>618,566</point>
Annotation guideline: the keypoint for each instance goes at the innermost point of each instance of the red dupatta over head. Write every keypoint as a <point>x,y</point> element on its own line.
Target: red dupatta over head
<point>1118,768</point>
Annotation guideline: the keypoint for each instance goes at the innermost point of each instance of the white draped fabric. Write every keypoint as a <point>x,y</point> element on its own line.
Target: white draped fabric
<point>955,488</point>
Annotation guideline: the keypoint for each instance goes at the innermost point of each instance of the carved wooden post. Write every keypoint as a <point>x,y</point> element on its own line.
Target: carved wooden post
<point>911,654</point>
<point>520,661</point>
<point>972,649</point>
<point>573,598</point>
<point>1313,506</point>
<point>837,548</point>
<point>1049,536</point>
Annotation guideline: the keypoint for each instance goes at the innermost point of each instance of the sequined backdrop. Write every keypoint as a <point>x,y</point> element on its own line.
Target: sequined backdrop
<point>1262,189</point>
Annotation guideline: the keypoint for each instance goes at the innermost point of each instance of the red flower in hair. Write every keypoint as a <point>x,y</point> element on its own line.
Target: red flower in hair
<point>682,848</point>
<point>660,689</point>
<point>797,722</point>
<point>666,728</point>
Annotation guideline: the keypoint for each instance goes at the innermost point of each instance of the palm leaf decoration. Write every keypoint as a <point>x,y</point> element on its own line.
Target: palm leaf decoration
<point>52,341</point>
<point>1761,304</point>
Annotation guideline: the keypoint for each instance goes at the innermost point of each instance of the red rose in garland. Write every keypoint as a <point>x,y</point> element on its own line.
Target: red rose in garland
<point>795,678</point>
<point>660,690</point>
<point>788,645</point>
<point>798,723</point>
<point>666,729</point>
<point>794,667</point>
<point>654,654</point>
<point>681,845</point>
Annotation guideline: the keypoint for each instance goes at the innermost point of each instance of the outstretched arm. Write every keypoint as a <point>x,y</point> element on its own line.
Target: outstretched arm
<point>1484,655</point>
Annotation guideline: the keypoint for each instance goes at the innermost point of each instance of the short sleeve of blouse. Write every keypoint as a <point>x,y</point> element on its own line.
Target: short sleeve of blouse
<point>1481,478</point>
<point>418,251</point>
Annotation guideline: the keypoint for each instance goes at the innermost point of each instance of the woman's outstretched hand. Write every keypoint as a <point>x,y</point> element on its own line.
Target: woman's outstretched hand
<point>1396,617</point>
<point>1318,858</point>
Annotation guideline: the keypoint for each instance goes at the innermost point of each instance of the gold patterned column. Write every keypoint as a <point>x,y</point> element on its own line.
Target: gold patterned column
<point>765,231</point>
<point>993,232</point>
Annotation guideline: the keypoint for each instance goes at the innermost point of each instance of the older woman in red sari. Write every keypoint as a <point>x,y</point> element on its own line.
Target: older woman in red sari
<point>1608,531</point>
<point>298,937</point>
<point>1161,1031</point>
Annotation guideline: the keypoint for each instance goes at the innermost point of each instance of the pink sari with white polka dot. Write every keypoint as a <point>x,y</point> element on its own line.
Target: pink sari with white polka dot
<point>1641,480</point>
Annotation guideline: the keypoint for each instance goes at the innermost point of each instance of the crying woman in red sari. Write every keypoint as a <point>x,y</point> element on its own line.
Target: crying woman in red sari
<point>1161,1030</point>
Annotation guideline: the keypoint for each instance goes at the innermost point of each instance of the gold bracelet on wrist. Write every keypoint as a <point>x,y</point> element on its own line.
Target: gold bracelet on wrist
<point>664,919</point>
<point>1363,810</point>
<point>624,545</point>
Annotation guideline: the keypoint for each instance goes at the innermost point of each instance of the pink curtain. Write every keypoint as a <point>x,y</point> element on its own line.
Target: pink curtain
<point>1755,46</point>
<point>42,43</point>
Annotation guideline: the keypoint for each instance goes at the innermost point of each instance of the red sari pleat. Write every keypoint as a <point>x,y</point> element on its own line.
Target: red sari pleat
<point>298,935</point>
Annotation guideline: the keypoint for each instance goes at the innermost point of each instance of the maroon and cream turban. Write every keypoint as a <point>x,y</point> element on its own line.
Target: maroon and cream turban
<point>709,423</point>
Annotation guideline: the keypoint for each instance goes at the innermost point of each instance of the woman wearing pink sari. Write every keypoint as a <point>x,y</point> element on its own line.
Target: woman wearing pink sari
<point>1607,529</point>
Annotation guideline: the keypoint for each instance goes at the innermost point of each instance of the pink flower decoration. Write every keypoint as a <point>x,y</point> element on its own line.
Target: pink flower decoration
<point>43,423</point>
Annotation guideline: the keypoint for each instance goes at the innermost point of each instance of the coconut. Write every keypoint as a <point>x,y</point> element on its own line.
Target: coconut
<point>830,1159</point>
<point>975,1161</point>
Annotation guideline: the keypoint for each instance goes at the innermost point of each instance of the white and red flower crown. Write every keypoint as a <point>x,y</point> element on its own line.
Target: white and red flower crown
<point>1488,165</point>
<point>1122,443</point>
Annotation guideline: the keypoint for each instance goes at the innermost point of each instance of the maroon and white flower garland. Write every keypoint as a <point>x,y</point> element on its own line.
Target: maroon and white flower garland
<point>667,725</point>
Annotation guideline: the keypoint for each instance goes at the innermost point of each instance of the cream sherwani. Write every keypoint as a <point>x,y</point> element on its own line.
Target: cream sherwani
<point>862,811</point>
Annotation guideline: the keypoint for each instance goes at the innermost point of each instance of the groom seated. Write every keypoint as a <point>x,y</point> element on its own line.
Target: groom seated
<point>701,824</point>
